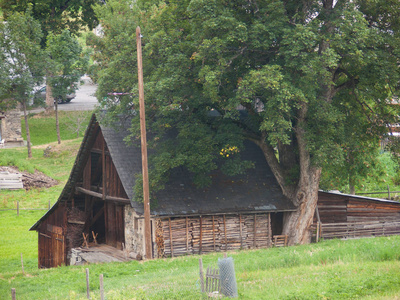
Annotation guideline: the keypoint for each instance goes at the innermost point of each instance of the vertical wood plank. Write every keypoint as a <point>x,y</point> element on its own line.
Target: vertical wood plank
<point>269,230</point>
<point>187,235</point>
<point>226,239</point>
<point>240,231</point>
<point>213,231</point>
<point>13,294</point>
<point>255,231</point>
<point>201,234</point>
<point>170,237</point>
<point>103,164</point>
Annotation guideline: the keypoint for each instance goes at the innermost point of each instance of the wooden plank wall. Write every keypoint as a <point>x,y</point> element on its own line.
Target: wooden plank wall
<point>344,216</point>
<point>52,245</point>
<point>114,225</point>
<point>203,234</point>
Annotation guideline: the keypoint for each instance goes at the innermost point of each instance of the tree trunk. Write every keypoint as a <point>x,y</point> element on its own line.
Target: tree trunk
<point>28,135</point>
<point>57,124</point>
<point>296,224</point>
<point>49,99</point>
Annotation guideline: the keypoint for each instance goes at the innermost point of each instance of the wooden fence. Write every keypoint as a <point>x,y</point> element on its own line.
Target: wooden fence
<point>18,208</point>
<point>356,229</point>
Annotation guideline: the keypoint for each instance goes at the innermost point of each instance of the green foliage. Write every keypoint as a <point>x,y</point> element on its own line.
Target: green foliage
<point>55,15</point>
<point>67,63</point>
<point>309,80</point>
<point>23,61</point>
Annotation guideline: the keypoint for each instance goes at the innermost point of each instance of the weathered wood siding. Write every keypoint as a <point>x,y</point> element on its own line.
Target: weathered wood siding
<point>196,235</point>
<point>347,216</point>
<point>51,236</point>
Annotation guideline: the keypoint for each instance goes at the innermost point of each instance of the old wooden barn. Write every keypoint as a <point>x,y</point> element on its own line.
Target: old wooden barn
<point>97,204</point>
<point>350,216</point>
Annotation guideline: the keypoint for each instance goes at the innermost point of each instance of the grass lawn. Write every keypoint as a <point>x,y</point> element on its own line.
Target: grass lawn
<point>353,269</point>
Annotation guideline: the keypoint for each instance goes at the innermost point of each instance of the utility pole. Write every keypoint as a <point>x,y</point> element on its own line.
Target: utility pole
<point>145,172</point>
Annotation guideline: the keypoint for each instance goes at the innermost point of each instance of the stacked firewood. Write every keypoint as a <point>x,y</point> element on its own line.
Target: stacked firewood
<point>76,222</point>
<point>196,235</point>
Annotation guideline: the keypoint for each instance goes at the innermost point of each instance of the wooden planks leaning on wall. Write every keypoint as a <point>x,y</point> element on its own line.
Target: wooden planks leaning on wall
<point>203,234</point>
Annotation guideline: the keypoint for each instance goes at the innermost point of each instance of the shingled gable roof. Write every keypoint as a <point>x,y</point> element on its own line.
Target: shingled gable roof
<point>255,191</point>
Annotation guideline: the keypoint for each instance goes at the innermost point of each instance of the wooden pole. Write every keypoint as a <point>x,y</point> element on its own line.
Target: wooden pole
<point>101,287</point>
<point>87,284</point>
<point>201,235</point>
<point>170,237</point>
<point>201,275</point>
<point>22,264</point>
<point>388,192</point>
<point>13,294</point>
<point>146,202</point>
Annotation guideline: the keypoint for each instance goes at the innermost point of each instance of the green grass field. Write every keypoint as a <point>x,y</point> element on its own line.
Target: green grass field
<point>353,269</point>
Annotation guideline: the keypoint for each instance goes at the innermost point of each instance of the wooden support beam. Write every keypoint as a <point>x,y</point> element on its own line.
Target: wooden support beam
<point>269,231</point>
<point>255,231</point>
<point>201,234</point>
<point>103,164</point>
<point>170,237</point>
<point>226,239</point>
<point>100,196</point>
<point>187,235</point>
<point>213,230</point>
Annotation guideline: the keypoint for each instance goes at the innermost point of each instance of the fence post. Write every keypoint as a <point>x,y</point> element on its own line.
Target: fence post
<point>13,297</point>
<point>201,275</point>
<point>22,264</point>
<point>388,192</point>
<point>101,287</point>
<point>87,284</point>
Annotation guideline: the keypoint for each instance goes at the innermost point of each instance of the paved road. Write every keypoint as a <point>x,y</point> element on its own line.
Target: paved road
<point>84,100</point>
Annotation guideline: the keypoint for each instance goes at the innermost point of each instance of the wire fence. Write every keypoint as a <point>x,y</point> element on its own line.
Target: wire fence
<point>18,208</point>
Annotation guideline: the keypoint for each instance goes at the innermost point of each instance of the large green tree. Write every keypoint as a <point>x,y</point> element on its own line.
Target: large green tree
<point>287,75</point>
<point>55,16</point>
<point>22,64</point>
<point>66,66</point>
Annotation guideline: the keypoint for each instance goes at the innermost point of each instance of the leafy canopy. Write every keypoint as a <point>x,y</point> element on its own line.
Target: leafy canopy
<point>292,76</point>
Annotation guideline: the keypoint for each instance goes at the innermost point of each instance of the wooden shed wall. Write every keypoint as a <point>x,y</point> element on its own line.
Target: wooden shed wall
<point>196,235</point>
<point>52,242</point>
<point>344,216</point>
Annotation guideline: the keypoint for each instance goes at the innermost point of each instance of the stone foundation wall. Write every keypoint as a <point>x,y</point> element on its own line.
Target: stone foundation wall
<point>134,233</point>
<point>11,127</point>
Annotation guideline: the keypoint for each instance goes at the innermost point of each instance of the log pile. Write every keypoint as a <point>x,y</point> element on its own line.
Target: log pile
<point>76,223</point>
<point>203,234</point>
